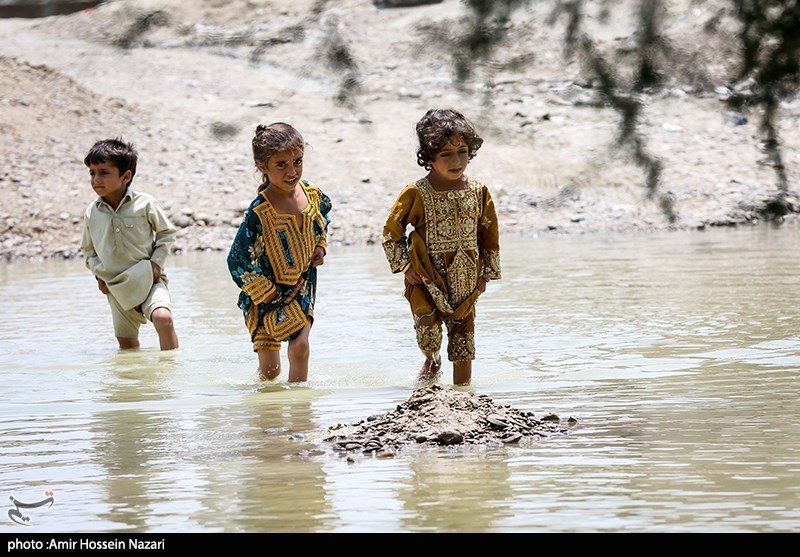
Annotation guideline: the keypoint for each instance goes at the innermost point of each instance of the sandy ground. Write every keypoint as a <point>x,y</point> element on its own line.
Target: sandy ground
<point>187,82</point>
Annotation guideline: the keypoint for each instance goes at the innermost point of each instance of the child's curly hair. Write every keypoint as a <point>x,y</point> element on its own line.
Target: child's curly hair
<point>438,128</point>
<point>273,138</point>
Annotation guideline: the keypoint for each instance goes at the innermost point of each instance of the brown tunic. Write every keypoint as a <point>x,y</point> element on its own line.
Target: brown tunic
<point>455,240</point>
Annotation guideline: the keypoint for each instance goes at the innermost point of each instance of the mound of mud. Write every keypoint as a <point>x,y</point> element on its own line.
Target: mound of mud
<point>436,416</point>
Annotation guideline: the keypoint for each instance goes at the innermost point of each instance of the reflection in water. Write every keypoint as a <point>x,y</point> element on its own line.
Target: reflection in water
<point>273,477</point>
<point>456,491</point>
<point>678,353</point>
<point>162,459</point>
<point>132,438</point>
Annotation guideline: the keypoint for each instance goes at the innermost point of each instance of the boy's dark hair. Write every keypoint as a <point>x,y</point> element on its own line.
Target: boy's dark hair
<point>438,128</point>
<point>121,153</point>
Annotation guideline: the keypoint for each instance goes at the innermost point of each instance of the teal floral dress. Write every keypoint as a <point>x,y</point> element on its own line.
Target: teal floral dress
<point>270,260</point>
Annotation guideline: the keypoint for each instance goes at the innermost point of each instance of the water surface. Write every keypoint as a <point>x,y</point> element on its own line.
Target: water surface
<point>678,353</point>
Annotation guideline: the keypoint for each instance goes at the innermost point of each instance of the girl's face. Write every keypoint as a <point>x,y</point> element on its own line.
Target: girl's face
<point>450,163</point>
<point>284,169</point>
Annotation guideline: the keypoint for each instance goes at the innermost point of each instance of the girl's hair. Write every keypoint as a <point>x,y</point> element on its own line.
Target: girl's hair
<point>272,139</point>
<point>121,154</point>
<point>438,128</point>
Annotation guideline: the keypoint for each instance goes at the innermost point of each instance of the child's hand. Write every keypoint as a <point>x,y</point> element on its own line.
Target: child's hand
<point>319,257</point>
<point>101,284</point>
<point>412,276</point>
<point>156,272</point>
<point>482,280</point>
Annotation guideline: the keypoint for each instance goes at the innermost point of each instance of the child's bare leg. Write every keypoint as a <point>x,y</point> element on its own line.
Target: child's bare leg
<point>462,372</point>
<point>269,364</point>
<point>127,343</point>
<point>167,337</point>
<point>461,347</point>
<point>299,351</point>
<point>430,367</point>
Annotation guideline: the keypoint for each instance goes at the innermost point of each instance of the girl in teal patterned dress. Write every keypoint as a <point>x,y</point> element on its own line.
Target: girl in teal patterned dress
<point>275,254</point>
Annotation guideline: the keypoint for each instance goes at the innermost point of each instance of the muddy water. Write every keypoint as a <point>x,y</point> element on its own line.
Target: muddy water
<point>679,354</point>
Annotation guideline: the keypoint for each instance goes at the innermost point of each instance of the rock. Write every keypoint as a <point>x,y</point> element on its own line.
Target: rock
<point>572,421</point>
<point>496,421</point>
<point>403,3</point>
<point>450,437</point>
<point>735,119</point>
<point>512,438</point>
<point>183,221</point>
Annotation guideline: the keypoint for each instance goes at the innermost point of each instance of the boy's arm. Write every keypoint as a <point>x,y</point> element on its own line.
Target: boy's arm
<point>87,247</point>
<point>90,256</point>
<point>489,238</point>
<point>165,233</point>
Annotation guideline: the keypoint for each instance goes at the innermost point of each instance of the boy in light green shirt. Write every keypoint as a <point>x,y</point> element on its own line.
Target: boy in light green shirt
<point>127,237</point>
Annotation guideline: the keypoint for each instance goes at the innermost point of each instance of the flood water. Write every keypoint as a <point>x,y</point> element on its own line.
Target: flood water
<point>678,353</point>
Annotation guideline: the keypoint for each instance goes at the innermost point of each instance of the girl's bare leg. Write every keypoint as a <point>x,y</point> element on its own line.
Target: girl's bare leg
<point>162,320</point>
<point>430,367</point>
<point>126,343</point>
<point>269,364</point>
<point>299,351</point>
<point>462,372</point>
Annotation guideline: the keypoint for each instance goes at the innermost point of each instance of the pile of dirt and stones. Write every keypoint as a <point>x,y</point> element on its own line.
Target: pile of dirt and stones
<point>438,416</point>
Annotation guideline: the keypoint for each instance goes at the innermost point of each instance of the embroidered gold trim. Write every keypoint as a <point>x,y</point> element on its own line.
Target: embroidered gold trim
<point>285,320</point>
<point>288,245</point>
<point>462,278</point>
<point>396,254</point>
<point>439,297</point>
<point>429,337</point>
<point>451,217</point>
<point>491,264</point>
<point>461,347</point>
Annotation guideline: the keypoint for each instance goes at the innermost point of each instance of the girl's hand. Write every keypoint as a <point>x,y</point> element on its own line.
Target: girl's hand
<point>319,257</point>
<point>412,276</point>
<point>482,280</point>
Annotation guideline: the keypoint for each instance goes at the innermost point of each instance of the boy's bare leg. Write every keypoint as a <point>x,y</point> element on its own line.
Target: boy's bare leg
<point>299,351</point>
<point>269,364</point>
<point>127,343</point>
<point>167,337</point>
<point>462,372</point>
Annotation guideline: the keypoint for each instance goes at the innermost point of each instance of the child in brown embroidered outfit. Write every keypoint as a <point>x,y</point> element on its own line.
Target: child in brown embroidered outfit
<point>453,249</point>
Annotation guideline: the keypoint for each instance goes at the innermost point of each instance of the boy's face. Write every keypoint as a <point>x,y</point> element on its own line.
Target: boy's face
<point>107,182</point>
<point>451,162</point>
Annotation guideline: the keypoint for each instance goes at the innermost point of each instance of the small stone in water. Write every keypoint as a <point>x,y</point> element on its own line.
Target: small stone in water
<point>449,437</point>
